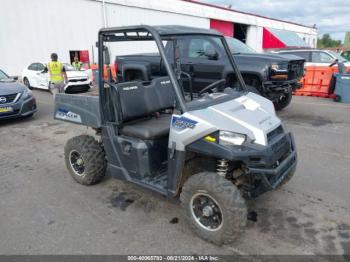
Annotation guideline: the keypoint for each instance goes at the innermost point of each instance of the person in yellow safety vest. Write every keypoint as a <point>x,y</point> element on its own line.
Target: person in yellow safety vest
<point>77,64</point>
<point>57,73</point>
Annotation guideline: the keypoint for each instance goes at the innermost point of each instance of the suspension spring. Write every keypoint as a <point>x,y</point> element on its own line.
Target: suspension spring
<point>222,167</point>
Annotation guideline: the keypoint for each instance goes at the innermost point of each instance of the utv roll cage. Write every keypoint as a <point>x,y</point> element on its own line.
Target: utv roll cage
<point>157,34</point>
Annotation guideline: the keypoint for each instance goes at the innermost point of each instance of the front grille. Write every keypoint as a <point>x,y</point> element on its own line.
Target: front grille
<point>5,99</point>
<point>280,146</point>
<point>77,88</point>
<point>274,133</point>
<point>77,80</point>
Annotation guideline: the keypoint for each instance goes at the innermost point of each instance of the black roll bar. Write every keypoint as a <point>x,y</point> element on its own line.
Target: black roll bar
<point>108,35</point>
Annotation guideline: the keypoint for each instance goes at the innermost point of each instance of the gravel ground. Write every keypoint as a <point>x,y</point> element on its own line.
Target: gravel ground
<point>43,211</point>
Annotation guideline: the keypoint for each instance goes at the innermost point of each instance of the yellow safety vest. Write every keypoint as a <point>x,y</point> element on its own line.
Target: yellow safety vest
<point>55,69</point>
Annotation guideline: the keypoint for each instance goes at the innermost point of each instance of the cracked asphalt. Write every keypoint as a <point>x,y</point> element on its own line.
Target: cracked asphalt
<point>43,211</point>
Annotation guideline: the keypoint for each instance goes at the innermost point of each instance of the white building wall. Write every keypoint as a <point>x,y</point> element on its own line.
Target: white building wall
<point>199,10</point>
<point>254,37</point>
<point>32,29</point>
<point>118,15</point>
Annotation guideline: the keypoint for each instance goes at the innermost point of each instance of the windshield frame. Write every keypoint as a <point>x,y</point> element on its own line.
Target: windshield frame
<point>145,32</point>
<point>6,76</point>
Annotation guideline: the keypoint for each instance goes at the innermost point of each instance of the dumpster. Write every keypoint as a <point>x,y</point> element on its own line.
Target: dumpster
<point>342,88</point>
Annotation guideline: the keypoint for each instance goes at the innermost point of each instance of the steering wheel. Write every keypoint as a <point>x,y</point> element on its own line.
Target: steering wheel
<point>219,83</point>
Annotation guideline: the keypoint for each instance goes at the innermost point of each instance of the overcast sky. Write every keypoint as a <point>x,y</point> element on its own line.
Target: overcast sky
<point>330,16</point>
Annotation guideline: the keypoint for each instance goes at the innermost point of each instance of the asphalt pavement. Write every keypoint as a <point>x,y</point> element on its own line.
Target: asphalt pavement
<point>43,211</point>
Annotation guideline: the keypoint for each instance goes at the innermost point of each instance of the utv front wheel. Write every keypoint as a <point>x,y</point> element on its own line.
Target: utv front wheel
<point>85,159</point>
<point>214,207</point>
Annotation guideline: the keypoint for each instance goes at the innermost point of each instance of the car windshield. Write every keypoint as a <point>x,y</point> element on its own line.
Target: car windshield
<point>69,67</point>
<point>3,76</point>
<point>237,46</point>
<point>338,56</point>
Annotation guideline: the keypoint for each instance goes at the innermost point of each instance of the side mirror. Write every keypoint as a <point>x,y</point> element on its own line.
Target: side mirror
<point>335,62</point>
<point>211,54</point>
<point>14,78</point>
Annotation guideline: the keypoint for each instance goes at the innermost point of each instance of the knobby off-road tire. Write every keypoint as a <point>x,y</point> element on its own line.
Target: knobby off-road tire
<point>285,101</point>
<point>85,159</point>
<point>223,194</point>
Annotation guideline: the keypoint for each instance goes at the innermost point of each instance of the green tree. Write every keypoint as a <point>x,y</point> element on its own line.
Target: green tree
<point>327,41</point>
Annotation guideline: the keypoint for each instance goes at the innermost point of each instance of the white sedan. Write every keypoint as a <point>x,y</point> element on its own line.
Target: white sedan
<point>34,76</point>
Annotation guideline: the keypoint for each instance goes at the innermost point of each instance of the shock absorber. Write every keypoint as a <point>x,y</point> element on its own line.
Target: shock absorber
<point>222,167</point>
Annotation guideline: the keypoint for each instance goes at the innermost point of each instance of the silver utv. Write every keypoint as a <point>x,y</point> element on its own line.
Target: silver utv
<point>213,151</point>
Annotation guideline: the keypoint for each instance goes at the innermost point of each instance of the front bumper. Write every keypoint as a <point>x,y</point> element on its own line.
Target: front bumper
<point>21,108</point>
<point>271,164</point>
<point>281,86</point>
<point>264,166</point>
<point>78,86</point>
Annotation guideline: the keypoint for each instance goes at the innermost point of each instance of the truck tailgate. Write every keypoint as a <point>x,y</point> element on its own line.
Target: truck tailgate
<point>78,109</point>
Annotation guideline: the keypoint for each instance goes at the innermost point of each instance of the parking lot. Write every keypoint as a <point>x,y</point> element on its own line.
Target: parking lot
<point>43,211</point>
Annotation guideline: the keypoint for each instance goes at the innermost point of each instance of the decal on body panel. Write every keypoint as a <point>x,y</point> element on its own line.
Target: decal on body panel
<point>188,128</point>
<point>181,122</point>
<point>65,114</point>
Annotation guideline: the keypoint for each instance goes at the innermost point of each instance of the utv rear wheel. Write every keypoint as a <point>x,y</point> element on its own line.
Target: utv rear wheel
<point>85,159</point>
<point>214,207</point>
<point>284,100</point>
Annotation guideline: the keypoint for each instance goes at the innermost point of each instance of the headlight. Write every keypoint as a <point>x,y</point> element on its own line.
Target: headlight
<point>27,93</point>
<point>281,67</point>
<point>229,138</point>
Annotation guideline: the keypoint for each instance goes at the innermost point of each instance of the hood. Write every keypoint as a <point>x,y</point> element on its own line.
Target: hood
<point>76,74</point>
<point>250,114</point>
<point>10,87</point>
<point>273,58</point>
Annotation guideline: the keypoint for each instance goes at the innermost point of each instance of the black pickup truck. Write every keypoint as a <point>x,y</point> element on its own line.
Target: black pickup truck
<point>204,62</point>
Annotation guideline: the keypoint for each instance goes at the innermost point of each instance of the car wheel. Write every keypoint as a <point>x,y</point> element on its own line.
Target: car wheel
<point>214,207</point>
<point>284,100</point>
<point>85,159</point>
<point>26,83</point>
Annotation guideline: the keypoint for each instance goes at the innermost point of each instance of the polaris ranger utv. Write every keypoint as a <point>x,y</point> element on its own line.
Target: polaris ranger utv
<point>213,152</point>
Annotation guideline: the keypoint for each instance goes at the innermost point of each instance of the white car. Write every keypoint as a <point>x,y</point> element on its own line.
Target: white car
<point>34,76</point>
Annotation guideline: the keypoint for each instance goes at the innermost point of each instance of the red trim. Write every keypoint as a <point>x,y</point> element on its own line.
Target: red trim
<point>271,41</point>
<point>241,12</point>
<point>226,28</point>
<point>84,56</point>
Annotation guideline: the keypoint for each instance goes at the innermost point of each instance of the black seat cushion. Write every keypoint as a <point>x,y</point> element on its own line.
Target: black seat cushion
<point>149,128</point>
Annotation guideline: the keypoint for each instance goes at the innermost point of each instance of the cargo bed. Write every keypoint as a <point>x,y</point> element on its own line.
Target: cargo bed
<point>82,109</point>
